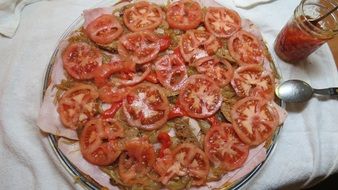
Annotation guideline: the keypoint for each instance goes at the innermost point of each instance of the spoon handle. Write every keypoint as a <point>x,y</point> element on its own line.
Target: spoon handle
<point>326,91</point>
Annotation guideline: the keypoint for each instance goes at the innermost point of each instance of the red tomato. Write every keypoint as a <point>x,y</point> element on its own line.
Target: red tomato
<point>219,71</point>
<point>176,111</point>
<point>81,60</point>
<point>164,41</point>
<point>200,97</point>
<point>171,72</point>
<point>253,80</point>
<point>76,105</point>
<point>146,106</point>
<point>184,14</point>
<point>222,22</point>
<point>112,92</point>
<point>136,162</point>
<point>254,120</point>
<point>110,113</point>
<point>104,29</point>
<point>132,78</point>
<point>245,48</point>
<point>143,16</point>
<point>163,164</point>
<point>151,77</point>
<point>190,160</point>
<point>104,71</point>
<point>195,44</point>
<point>98,141</point>
<point>140,47</point>
<point>224,148</point>
<point>165,141</point>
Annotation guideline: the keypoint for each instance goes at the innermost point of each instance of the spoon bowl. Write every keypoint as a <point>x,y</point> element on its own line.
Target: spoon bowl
<point>294,91</point>
<point>299,91</point>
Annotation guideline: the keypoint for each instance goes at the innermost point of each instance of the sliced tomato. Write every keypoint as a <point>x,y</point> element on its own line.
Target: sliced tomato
<point>245,48</point>
<point>253,80</point>
<point>254,119</point>
<point>131,78</point>
<point>163,164</point>
<point>110,113</point>
<point>176,111</point>
<point>165,141</point>
<point>184,14</point>
<point>200,97</point>
<point>140,47</point>
<point>104,71</point>
<point>222,22</point>
<point>143,16</point>
<point>196,44</point>
<point>112,92</point>
<point>98,141</point>
<point>223,147</point>
<point>190,160</point>
<point>77,104</point>
<point>136,162</point>
<point>219,70</point>
<point>171,72</point>
<point>146,106</point>
<point>151,77</point>
<point>80,60</point>
<point>104,29</point>
<point>164,41</point>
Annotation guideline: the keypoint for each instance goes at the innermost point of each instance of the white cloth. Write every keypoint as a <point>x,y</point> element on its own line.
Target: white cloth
<point>10,12</point>
<point>307,148</point>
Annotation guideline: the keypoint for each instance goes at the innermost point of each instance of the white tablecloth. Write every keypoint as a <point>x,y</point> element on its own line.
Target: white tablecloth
<point>307,149</point>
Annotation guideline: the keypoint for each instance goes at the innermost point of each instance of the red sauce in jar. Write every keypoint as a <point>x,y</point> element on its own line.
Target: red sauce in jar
<point>294,43</point>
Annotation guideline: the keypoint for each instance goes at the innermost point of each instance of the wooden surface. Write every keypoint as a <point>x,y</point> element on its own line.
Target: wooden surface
<point>334,48</point>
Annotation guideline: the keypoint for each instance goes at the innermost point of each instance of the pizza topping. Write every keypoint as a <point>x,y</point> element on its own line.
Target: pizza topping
<point>245,48</point>
<point>104,29</point>
<point>140,47</point>
<point>80,60</point>
<point>143,16</point>
<point>171,71</point>
<point>220,71</point>
<point>184,14</point>
<point>76,105</point>
<point>200,97</point>
<point>252,80</point>
<point>254,120</point>
<point>223,147</point>
<point>146,107</point>
<point>222,22</point>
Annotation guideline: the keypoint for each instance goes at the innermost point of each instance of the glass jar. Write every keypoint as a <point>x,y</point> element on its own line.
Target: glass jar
<point>300,37</point>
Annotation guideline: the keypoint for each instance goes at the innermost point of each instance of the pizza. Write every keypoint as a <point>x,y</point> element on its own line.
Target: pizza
<point>152,96</point>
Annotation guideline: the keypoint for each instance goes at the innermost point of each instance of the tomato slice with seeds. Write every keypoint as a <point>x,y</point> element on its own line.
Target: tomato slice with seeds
<point>112,92</point>
<point>143,16</point>
<point>195,44</point>
<point>254,119</point>
<point>190,160</point>
<point>222,22</point>
<point>146,106</point>
<point>245,48</point>
<point>141,47</point>
<point>219,70</point>
<point>131,78</point>
<point>163,164</point>
<point>136,162</point>
<point>99,141</point>
<point>77,104</point>
<point>200,97</point>
<point>223,147</point>
<point>80,60</point>
<point>184,14</point>
<point>171,72</point>
<point>104,29</point>
<point>253,80</point>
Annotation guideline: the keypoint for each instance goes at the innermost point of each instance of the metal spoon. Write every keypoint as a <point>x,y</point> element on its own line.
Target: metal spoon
<point>300,91</point>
